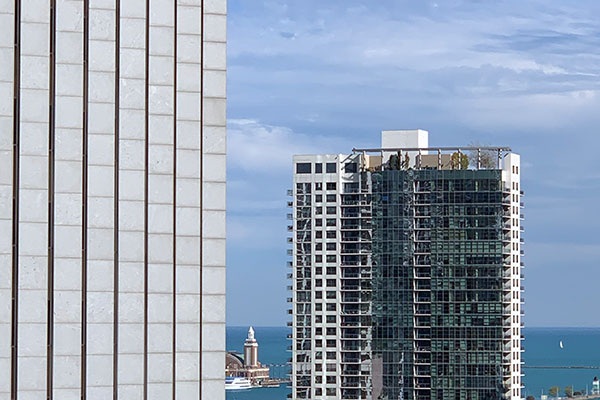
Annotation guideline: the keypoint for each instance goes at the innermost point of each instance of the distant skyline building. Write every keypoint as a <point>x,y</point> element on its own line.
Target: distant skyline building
<point>250,350</point>
<point>247,366</point>
<point>112,199</point>
<point>406,272</point>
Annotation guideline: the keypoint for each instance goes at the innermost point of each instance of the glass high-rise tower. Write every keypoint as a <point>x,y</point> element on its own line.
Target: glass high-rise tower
<point>407,273</point>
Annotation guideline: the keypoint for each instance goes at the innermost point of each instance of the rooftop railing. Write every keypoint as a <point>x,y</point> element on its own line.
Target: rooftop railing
<point>447,158</point>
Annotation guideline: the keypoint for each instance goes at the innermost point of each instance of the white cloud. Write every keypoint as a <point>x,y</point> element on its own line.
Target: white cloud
<point>267,150</point>
<point>540,113</point>
<point>422,39</point>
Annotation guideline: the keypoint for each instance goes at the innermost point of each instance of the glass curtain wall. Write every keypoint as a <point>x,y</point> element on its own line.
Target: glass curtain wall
<point>437,284</point>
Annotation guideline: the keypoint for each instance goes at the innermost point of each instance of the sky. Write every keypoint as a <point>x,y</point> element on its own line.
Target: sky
<point>324,76</point>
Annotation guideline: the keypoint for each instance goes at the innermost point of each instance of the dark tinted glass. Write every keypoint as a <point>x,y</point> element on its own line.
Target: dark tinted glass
<point>303,168</point>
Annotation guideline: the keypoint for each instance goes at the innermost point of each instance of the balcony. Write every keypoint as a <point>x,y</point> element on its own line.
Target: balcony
<point>422,335</point>
<point>422,299</point>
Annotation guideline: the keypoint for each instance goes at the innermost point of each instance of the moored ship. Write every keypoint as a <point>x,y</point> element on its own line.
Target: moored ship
<point>236,383</point>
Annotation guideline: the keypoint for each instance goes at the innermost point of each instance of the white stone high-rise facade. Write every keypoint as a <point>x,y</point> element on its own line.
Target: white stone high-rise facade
<point>112,199</point>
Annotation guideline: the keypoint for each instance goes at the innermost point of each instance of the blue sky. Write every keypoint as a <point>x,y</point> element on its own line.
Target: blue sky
<point>315,76</point>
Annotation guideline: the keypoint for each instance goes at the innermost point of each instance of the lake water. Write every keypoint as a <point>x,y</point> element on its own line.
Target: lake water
<point>581,347</point>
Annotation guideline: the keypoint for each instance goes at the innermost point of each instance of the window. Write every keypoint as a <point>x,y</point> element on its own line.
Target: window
<point>318,379</point>
<point>319,210</point>
<point>318,392</point>
<point>331,283</point>
<point>318,294</point>
<point>330,246</point>
<point>331,332</point>
<point>303,168</point>
<point>318,307</point>
<point>330,221</point>
<point>331,379</point>
<point>331,210</point>
<point>319,331</point>
<point>319,234</point>
<point>318,198</point>
<point>330,391</point>
<point>330,270</point>
<point>331,307</point>
<point>319,282</point>
<point>330,342</point>
<point>330,258</point>
<point>331,198</point>
<point>331,294</point>
<point>331,186</point>
<point>351,187</point>
<point>318,186</point>
<point>318,222</point>
<point>318,271</point>
<point>318,319</point>
<point>303,188</point>
<point>351,168</point>
<point>318,168</point>
<point>331,234</point>
<point>331,355</point>
<point>331,168</point>
<point>319,258</point>
<point>319,246</point>
<point>318,367</point>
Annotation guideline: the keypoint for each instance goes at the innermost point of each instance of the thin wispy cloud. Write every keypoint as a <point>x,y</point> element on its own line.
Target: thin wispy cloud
<point>267,149</point>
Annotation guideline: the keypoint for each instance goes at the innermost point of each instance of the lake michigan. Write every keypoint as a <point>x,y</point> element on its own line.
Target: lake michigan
<point>581,347</point>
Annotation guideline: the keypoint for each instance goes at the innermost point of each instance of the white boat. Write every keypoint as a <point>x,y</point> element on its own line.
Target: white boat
<point>236,383</point>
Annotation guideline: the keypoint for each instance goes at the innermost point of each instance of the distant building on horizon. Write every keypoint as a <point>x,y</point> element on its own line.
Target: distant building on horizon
<point>406,272</point>
<point>247,365</point>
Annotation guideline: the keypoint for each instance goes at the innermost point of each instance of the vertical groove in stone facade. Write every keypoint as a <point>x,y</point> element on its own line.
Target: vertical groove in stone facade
<point>51,202</point>
<point>14,201</point>
<point>201,166</point>
<point>174,214</point>
<point>116,205</point>
<point>146,185</point>
<point>84,201</point>
<point>98,262</point>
